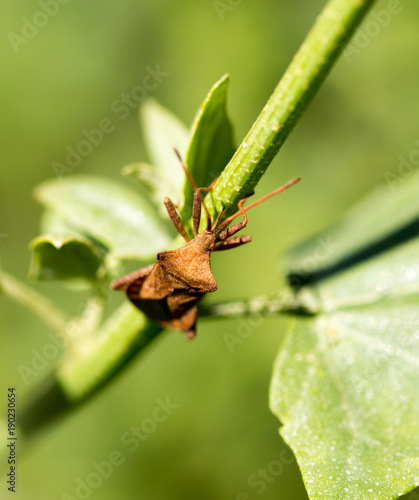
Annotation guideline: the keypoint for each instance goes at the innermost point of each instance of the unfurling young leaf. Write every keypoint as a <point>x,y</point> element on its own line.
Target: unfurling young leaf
<point>65,256</point>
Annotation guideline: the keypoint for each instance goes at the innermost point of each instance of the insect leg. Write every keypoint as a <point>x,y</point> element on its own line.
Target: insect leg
<point>124,282</point>
<point>223,235</point>
<point>196,211</point>
<point>174,217</point>
<point>230,231</point>
<point>232,243</point>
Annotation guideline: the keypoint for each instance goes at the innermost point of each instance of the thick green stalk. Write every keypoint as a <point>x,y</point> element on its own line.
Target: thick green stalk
<point>301,81</point>
<point>35,302</point>
<point>122,336</point>
<point>86,370</point>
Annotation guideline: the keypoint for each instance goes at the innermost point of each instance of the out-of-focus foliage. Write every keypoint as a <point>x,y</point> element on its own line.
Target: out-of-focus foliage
<point>346,378</point>
<point>69,98</point>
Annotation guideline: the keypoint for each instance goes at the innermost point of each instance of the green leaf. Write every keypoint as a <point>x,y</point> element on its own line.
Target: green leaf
<point>52,223</point>
<point>151,177</point>
<point>345,388</point>
<point>65,256</point>
<point>163,133</point>
<point>371,225</point>
<point>345,382</point>
<point>155,182</point>
<point>212,144</point>
<point>394,273</point>
<point>109,212</point>
<point>211,147</point>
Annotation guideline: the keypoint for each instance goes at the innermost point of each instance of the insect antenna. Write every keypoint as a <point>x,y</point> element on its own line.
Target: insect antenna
<point>214,226</point>
<point>242,210</point>
<point>195,187</point>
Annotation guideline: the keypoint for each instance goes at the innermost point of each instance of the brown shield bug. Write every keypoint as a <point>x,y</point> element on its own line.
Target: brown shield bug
<point>168,291</point>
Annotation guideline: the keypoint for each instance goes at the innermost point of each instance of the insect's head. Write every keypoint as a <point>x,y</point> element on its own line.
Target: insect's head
<point>206,239</point>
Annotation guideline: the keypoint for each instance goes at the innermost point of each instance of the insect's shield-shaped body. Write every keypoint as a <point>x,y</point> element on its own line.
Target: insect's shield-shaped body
<point>190,264</point>
<point>168,291</point>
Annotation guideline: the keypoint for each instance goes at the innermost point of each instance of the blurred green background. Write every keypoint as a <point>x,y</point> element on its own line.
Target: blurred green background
<point>64,79</point>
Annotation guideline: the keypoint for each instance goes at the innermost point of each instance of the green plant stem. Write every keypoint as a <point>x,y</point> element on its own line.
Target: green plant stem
<point>42,307</point>
<point>84,372</point>
<point>276,303</point>
<point>298,86</point>
<point>264,305</point>
<point>85,325</point>
<point>119,339</point>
